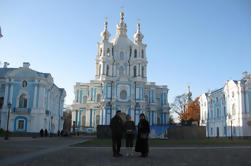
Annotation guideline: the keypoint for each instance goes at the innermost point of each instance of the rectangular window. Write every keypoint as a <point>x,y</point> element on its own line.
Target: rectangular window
<point>21,124</point>
<point>1,102</point>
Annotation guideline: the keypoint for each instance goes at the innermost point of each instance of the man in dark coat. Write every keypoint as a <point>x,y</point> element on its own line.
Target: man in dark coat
<point>116,125</point>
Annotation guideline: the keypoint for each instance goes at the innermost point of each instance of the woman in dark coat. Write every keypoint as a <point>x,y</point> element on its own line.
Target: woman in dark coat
<point>142,138</point>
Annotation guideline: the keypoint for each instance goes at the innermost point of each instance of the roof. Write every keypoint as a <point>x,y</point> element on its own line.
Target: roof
<point>5,71</point>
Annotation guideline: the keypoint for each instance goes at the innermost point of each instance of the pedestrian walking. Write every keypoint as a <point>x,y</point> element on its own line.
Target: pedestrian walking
<point>142,137</point>
<point>116,126</point>
<point>130,130</point>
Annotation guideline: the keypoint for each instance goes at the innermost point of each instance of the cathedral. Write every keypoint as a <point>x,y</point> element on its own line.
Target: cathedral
<point>120,84</point>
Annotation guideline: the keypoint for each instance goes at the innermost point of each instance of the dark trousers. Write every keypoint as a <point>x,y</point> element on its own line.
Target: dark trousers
<point>116,144</point>
<point>129,140</point>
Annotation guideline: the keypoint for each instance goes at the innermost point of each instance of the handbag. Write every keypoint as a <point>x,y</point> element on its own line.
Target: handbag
<point>143,135</point>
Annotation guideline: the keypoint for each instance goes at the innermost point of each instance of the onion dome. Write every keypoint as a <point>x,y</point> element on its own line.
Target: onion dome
<point>105,34</point>
<point>138,35</point>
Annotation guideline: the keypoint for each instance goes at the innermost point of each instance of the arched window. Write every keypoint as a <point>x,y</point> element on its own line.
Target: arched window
<point>158,120</point>
<point>23,101</point>
<point>97,119</point>
<point>107,70</point>
<point>123,94</point>
<point>108,52</point>
<point>134,71</point>
<point>99,69</point>
<point>143,71</point>
<point>142,53</point>
<point>121,71</point>
<point>135,53</point>
<point>98,98</point>
<point>84,99</point>
<point>211,114</point>
<point>233,109</point>
<point>24,84</point>
<point>83,120</point>
<point>100,51</point>
<point>121,56</point>
<point>218,113</point>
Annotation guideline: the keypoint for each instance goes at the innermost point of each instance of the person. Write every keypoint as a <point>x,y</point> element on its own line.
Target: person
<point>45,133</point>
<point>41,133</point>
<point>130,130</point>
<point>116,126</point>
<point>142,137</point>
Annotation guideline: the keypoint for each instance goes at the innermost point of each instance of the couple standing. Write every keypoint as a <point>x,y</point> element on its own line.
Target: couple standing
<point>118,128</point>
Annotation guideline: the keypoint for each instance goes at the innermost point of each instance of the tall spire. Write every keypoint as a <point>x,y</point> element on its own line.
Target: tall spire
<point>138,36</point>
<point>121,27</point>
<point>105,34</point>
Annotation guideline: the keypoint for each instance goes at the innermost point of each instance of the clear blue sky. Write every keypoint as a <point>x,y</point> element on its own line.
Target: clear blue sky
<point>197,42</point>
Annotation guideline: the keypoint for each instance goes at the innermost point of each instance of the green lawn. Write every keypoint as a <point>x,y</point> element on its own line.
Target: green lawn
<point>170,143</point>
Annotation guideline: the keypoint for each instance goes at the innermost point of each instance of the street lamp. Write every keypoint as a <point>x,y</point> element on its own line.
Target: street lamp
<point>231,120</point>
<point>7,131</point>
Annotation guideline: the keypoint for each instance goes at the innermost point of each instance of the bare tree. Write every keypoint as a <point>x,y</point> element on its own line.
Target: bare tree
<point>178,104</point>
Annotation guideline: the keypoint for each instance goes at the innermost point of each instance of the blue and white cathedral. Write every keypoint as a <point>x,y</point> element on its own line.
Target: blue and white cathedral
<point>120,84</point>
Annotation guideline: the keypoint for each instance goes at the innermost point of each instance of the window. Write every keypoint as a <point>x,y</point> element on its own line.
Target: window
<point>1,102</point>
<point>218,113</point>
<point>218,131</point>
<point>107,70</point>
<point>85,99</point>
<point>20,125</point>
<point>121,71</point>
<point>211,114</point>
<point>121,56</point>
<point>108,52</point>
<point>99,69</point>
<point>135,53</point>
<point>123,94</point>
<point>211,131</point>
<point>143,71</point>
<point>83,120</point>
<point>142,53</point>
<point>233,94</point>
<point>98,98</point>
<point>97,119</point>
<point>24,84</point>
<point>23,101</point>
<point>233,109</point>
<point>134,71</point>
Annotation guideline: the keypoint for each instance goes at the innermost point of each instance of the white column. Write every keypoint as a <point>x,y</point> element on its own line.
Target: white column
<point>11,91</point>
<point>6,94</point>
<point>35,95</point>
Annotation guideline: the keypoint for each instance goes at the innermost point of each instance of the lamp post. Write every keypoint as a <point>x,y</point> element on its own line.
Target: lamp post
<point>231,120</point>
<point>7,130</point>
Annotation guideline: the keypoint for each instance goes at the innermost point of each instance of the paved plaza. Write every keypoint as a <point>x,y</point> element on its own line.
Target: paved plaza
<point>57,151</point>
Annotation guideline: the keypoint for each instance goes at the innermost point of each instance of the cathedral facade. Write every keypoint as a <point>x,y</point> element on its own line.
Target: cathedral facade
<point>120,84</point>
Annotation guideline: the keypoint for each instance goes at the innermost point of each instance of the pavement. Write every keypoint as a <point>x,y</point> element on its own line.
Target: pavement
<point>57,151</point>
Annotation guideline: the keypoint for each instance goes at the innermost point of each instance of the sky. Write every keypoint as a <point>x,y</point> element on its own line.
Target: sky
<point>202,43</point>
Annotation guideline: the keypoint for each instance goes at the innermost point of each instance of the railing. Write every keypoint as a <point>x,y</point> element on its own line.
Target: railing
<point>22,110</point>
